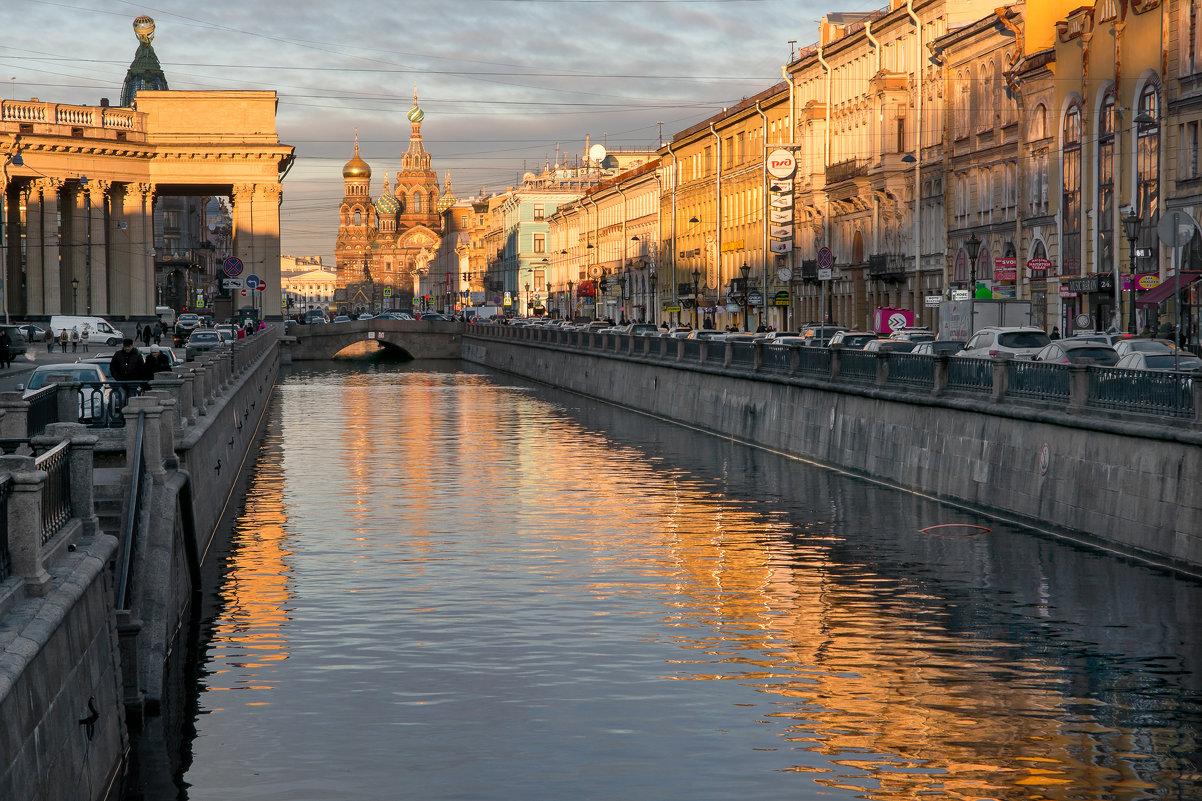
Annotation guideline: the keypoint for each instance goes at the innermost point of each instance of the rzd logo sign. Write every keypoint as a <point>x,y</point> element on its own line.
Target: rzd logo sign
<point>781,163</point>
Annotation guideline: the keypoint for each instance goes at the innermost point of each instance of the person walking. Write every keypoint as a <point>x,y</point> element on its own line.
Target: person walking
<point>1055,332</point>
<point>50,339</point>
<point>63,338</point>
<point>6,356</point>
<point>146,336</point>
<point>157,332</point>
<point>83,338</point>
<point>75,340</point>
<point>138,333</point>
<point>127,364</point>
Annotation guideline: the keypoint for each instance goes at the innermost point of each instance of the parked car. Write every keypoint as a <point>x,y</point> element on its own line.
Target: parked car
<point>94,396</point>
<point>364,316</point>
<point>1144,346</point>
<point>341,318</point>
<point>186,324</point>
<point>17,341</point>
<point>679,331</point>
<point>1067,351</point>
<point>1159,361</point>
<point>1019,341</point>
<point>913,334</point>
<point>852,339</point>
<point>706,333</point>
<point>939,347</point>
<point>201,340</point>
<point>33,333</point>
<point>435,317</point>
<point>891,345</point>
<point>819,336</point>
<point>642,329</point>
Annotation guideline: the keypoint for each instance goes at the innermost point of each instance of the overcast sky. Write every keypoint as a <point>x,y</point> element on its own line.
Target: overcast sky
<point>503,83</point>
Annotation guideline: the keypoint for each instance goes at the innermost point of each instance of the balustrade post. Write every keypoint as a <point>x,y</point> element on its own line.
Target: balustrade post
<point>171,387</point>
<point>25,523</point>
<point>757,360</point>
<point>14,415</point>
<point>168,422</point>
<point>152,436</point>
<point>68,400</point>
<point>1001,376</point>
<point>1078,386</point>
<point>702,350</point>
<point>836,361</point>
<point>882,368</point>
<point>83,446</point>
<point>794,358</point>
<point>201,388</point>
<point>1195,385</point>
<point>728,353</point>
<point>679,350</point>
<point>939,385</point>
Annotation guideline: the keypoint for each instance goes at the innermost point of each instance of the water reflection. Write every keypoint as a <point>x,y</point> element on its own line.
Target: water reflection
<point>470,588</point>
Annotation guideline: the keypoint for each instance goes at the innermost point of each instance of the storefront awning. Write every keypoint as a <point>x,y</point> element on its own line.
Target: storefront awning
<point>1159,294</point>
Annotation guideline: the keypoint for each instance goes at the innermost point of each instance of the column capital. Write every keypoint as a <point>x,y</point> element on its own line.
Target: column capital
<point>242,192</point>
<point>271,191</point>
<point>98,188</point>
<point>145,189</point>
<point>48,185</point>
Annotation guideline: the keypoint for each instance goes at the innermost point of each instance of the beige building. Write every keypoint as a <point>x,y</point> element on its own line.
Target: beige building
<point>307,284</point>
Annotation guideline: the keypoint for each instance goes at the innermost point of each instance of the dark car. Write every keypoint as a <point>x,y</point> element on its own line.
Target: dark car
<point>939,347</point>
<point>1065,351</point>
<point>16,340</point>
<point>201,340</point>
<point>852,339</point>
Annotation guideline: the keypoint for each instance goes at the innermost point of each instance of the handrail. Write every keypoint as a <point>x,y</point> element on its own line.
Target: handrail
<point>6,562</point>
<point>133,512</point>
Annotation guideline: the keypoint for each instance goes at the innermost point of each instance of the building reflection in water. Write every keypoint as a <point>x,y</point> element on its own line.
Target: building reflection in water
<point>893,663</point>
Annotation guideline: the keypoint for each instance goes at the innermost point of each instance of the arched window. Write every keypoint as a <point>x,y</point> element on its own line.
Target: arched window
<point>417,203</point>
<point>965,104</point>
<point>1104,217</point>
<point>358,216</point>
<point>1070,194</point>
<point>1147,168</point>
<point>1039,123</point>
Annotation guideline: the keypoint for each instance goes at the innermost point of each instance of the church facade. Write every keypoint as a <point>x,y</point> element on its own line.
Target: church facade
<point>386,244</point>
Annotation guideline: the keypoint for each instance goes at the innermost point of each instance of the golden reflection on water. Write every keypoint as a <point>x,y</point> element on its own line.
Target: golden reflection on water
<point>900,707</point>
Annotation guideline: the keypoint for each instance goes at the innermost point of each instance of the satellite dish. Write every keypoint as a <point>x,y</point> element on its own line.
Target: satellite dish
<point>597,153</point>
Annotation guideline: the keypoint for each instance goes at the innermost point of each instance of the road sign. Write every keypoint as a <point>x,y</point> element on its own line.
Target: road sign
<point>825,273</point>
<point>781,164</point>
<point>1176,229</point>
<point>231,283</point>
<point>825,258</point>
<point>232,266</point>
<point>387,291</point>
<point>252,281</point>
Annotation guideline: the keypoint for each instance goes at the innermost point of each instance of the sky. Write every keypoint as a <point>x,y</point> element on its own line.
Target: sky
<point>505,84</point>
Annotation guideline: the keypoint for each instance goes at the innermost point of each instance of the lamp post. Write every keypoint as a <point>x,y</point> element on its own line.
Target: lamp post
<point>974,247</point>
<point>74,294</point>
<point>1131,223</point>
<point>653,312</point>
<point>696,293</point>
<point>603,285</point>
<point>527,298</point>
<point>571,301</point>
<point>745,271</point>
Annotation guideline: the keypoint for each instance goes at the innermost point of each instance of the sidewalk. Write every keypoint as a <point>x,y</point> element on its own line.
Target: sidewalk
<point>37,355</point>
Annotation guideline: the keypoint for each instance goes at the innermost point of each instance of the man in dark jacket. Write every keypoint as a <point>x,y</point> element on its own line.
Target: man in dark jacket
<point>127,364</point>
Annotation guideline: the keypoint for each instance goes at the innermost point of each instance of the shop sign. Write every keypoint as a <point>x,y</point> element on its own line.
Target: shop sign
<point>1005,269</point>
<point>1065,292</point>
<point>1148,281</point>
<point>780,298</point>
<point>1039,265</point>
<point>1082,285</point>
<point>781,164</point>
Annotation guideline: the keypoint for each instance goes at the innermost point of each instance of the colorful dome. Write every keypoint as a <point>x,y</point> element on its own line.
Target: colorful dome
<point>387,205</point>
<point>415,114</point>
<point>356,167</point>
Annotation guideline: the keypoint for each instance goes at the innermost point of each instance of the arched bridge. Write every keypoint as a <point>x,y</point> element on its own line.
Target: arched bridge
<point>415,339</point>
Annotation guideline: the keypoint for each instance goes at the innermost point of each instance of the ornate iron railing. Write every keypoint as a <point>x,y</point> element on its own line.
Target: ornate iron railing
<point>912,370</point>
<point>56,498</point>
<point>970,375</point>
<point>1146,391</point>
<point>857,365</point>
<point>1038,380</point>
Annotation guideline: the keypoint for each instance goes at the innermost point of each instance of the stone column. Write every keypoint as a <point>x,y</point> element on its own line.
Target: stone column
<point>10,237</point>
<point>46,267</point>
<point>142,275</point>
<point>152,445</point>
<point>201,388</point>
<point>120,253</point>
<point>1001,376</point>
<point>25,522</point>
<point>256,223</point>
<point>73,243</point>
<point>97,246</point>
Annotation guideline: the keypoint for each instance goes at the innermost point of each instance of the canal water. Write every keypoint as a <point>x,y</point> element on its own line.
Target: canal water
<point>447,584</point>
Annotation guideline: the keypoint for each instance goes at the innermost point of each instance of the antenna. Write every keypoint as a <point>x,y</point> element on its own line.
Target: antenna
<point>792,43</point>
<point>660,123</point>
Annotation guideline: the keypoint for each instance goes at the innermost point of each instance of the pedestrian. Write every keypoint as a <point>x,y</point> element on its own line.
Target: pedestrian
<point>138,333</point>
<point>6,356</point>
<point>75,339</point>
<point>127,364</point>
<point>1055,332</point>
<point>63,338</point>
<point>50,339</point>
<point>146,335</point>
<point>83,338</point>
<point>157,332</point>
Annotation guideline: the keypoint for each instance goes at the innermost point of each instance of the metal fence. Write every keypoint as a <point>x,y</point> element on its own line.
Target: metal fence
<point>1170,394</point>
<point>857,365</point>
<point>970,375</point>
<point>1037,380</point>
<point>56,499</point>
<point>911,370</point>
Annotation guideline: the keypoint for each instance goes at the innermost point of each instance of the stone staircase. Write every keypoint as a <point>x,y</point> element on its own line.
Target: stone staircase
<point>109,499</point>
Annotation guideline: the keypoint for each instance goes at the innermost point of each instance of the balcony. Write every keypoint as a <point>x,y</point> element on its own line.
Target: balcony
<point>846,170</point>
<point>887,267</point>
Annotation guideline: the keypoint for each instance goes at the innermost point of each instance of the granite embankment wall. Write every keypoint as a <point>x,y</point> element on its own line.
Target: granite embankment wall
<point>1119,484</point>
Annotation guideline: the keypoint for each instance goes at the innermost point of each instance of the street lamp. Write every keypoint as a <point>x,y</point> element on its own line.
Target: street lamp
<point>603,284</point>
<point>571,301</point>
<point>74,294</point>
<point>745,271</point>
<point>696,293</point>
<point>974,250</point>
<point>653,312</point>
<point>1131,223</point>
<point>527,298</point>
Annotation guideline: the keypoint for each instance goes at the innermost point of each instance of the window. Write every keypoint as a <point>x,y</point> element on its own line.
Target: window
<point>1189,146</point>
<point>539,280</point>
<point>1070,194</point>
<point>417,203</point>
<point>1105,203</point>
<point>1192,57</point>
<point>1147,169</point>
<point>1039,123</point>
<point>540,211</point>
<point>540,243</point>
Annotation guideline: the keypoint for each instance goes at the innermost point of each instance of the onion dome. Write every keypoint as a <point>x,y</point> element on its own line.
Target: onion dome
<point>356,167</point>
<point>415,114</point>
<point>387,205</point>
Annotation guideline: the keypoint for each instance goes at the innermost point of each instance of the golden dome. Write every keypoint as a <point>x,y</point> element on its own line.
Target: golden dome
<point>356,167</point>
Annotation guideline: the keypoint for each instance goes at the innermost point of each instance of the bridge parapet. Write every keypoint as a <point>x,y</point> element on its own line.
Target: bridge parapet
<point>415,339</point>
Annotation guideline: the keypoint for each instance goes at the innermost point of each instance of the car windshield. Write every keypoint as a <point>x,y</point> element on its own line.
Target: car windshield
<point>205,336</point>
<point>1166,361</point>
<point>947,347</point>
<point>1149,346</point>
<point>1023,339</point>
<point>858,340</point>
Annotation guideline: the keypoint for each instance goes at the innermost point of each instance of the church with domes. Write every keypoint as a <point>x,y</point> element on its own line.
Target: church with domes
<point>385,244</point>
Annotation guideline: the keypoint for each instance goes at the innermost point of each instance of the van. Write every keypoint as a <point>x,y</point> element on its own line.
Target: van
<point>100,330</point>
<point>166,315</point>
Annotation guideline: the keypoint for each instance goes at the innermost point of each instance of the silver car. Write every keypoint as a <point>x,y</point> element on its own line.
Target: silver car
<point>1021,342</point>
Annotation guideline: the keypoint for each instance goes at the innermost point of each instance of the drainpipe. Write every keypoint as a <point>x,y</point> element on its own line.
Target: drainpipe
<point>621,287</point>
<point>917,155</point>
<point>826,160</point>
<point>675,245</point>
<point>764,189</point>
<point>718,203</point>
<point>794,118</point>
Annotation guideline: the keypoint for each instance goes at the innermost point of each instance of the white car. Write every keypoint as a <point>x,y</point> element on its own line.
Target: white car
<point>1021,342</point>
<point>94,395</point>
<point>1159,361</point>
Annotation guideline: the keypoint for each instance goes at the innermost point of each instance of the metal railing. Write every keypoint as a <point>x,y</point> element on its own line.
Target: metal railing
<point>1170,394</point>
<point>56,498</point>
<point>813,361</point>
<point>1037,380</point>
<point>970,375</point>
<point>912,370</point>
<point>133,511</point>
<point>43,410</point>
<point>857,365</point>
